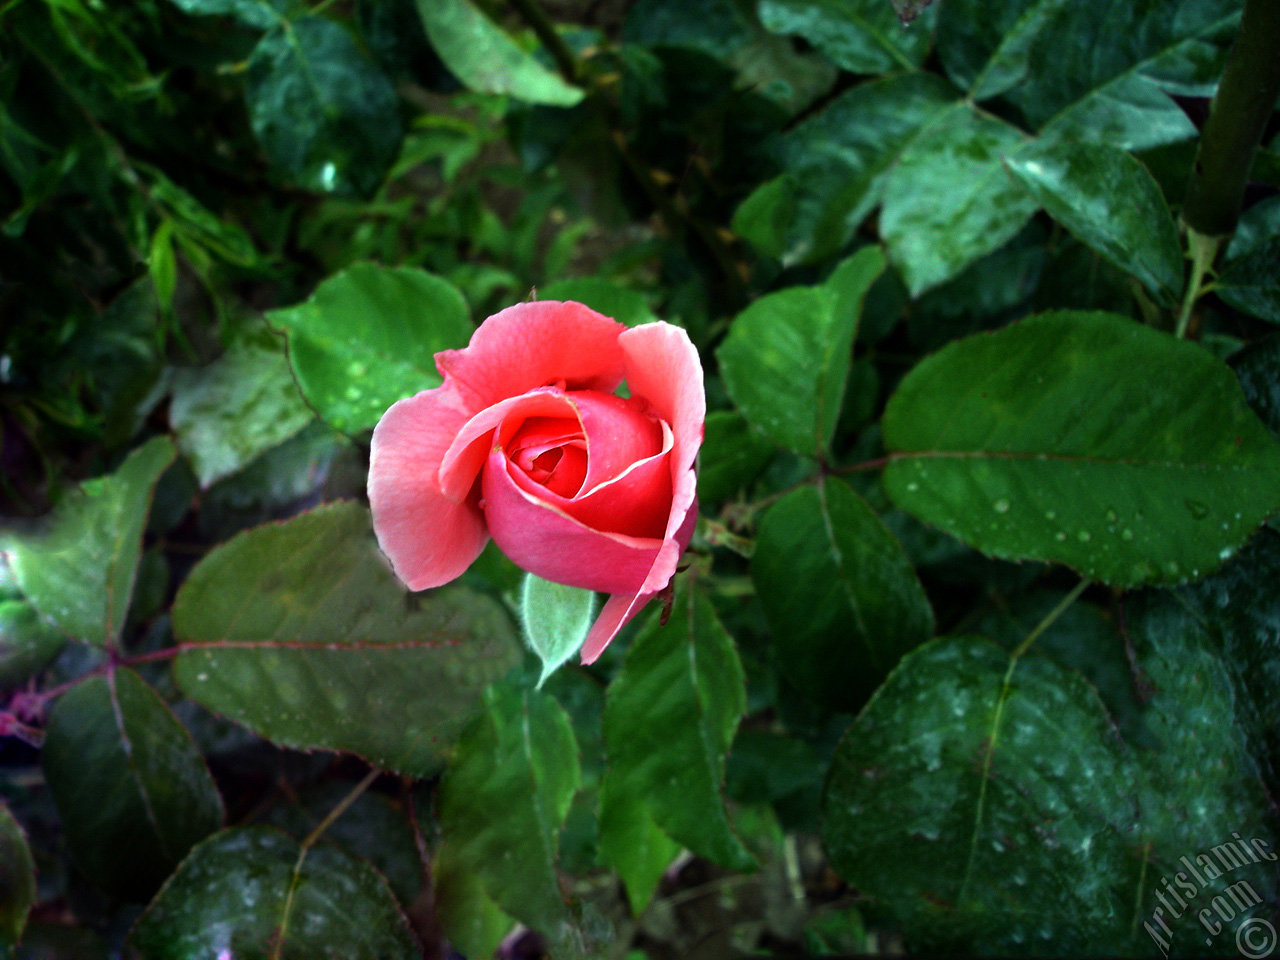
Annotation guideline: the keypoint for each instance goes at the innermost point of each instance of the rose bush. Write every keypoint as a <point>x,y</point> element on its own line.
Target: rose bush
<point>527,442</point>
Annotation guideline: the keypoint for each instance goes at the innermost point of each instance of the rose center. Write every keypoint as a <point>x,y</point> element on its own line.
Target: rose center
<point>551,452</point>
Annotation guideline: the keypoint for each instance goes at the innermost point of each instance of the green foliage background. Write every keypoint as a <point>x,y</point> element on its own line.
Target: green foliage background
<point>978,642</point>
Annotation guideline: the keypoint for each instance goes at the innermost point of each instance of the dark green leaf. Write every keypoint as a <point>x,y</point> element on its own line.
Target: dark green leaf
<point>262,14</point>
<point>732,456</point>
<point>1109,200</point>
<point>841,158</point>
<point>241,405</point>
<point>556,619</point>
<point>17,879</point>
<point>786,359</point>
<point>486,59</point>
<point>368,337</point>
<point>1085,439</point>
<point>79,572</point>
<point>842,600</point>
<point>861,36</point>
<point>300,632</point>
<point>986,46</point>
<point>621,303</point>
<point>1258,369</point>
<point>765,217</point>
<point>669,719</point>
<point>254,893</point>
<point>323,112</point>
<point>1250,281</point>
<point>948,200</point>
<point>475,924</point>
<point>28,644</point>
<point>132,790</point>
<point>504,798</point>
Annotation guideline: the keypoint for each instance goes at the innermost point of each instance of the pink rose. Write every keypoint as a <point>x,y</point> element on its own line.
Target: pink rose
<point>526,441</point>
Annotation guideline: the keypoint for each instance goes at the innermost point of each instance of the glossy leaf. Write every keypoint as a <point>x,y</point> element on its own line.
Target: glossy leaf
<point>505,796</point>
<point>79,571</point>
<point>326,116</point>
<point>131,788</point>
<point>786,359</point>
<point>486,59</point>
<point>556,619</point>
<point>861,36</point>
<point>1249,280</point>
<point>28,643</point>
<point>841,158</point>
<point>17,879</point>
<point>1109,200</point>
<point>262,14</point>
<point>986,47</point>
<point>368,337</point>
<point>732,455</point>
<point>669,719</point>
<point>841,598</point>
<point>301,632</point>
<point>239,406</point>
<point>949,200</point>
<point>1131,456</point>
<point>253,892</point>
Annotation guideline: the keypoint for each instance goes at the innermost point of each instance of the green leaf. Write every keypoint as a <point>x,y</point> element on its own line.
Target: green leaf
<point>131,788</point>
<point>949,200</point>
<point>786,358</point>
<point>621,303</point>
<point>163,264</point>
<point>765,217</point>
<point>1109,200</point>
<point>1085,439</point>
<point>556,619</point>
<point>861,36</point>
<point>841,158</point>
<point>79,571</point>
<point>986,47</point>
<point>504,797</point>
<point>241,405</point>
<point>1249,280</point>
<point>475,924</point>
<point>669,719</point>
<point>368,337</point>
<point>326,116</point>
<point>631,842</point>
<point>842,600</point>
<point>28,644</point>
<point>17,879</point>
<point>262,14</point>
<point>300,632</point>
<point>732,455</point>
<point>486,59</point>
<point>254,892</point>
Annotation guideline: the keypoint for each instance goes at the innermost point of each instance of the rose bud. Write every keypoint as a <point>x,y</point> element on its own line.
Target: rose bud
<point>527,442</point>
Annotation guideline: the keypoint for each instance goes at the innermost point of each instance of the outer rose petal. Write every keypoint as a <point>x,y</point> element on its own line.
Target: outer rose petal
<point>535,345</point>
<point>429,538</point>
<point>662,366</point>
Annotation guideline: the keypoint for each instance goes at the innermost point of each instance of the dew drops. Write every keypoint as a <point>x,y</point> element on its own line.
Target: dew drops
<point>1084,536</point>
<point>354,393</point>
<point>1111,516</point>
<point>1050,515</point>
<point>912,487</point>
<point>1059,536</point>
<point>1225,553</point>
<point>1126,534</point>
<point>1001,506</point>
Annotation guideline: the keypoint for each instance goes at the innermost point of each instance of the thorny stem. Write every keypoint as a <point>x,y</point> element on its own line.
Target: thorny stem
<point>1244,102</point>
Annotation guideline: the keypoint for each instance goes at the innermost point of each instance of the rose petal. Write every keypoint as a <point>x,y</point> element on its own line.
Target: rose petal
<point>540,538</point>
<point>535,345</point>
<point>662,366</point>
<point>429,538</point>
<point>618,435</point>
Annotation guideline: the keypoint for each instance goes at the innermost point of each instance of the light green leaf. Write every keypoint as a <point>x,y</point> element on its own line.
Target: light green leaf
<point>163,264</point>
<point>842,600</point>
<point>239,406</point>
<point>300,632</point>
<point>1109,200</point>
<point>79,571</point>
<point>632,842</point>
<point>28,644</point>
<point>556,619</point>
<point>1085,439</point>
<point>475,924</point>
<point>861,36</point>
<point>669,719</point>
<point>949,200</point>
<point>786,358</point>
<point>253,892</point>
<point>17,879</point>
<point>326,116</point>
<point>262,14</point>
<point>131,787</point>
<point>368,337</point>
<point>504,798</point>
<point>486,59</point>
